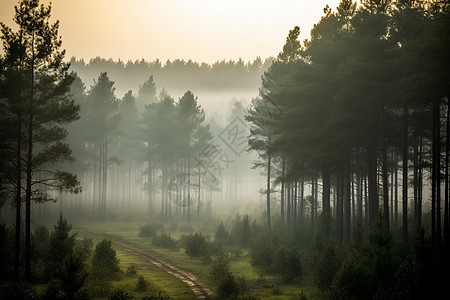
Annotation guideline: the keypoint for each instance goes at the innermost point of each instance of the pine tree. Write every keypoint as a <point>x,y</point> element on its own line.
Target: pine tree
<point>190,117</point>
<point>260,141</point>
<point>160,135</point>
<point>44,104</point>
<point>102,117</point>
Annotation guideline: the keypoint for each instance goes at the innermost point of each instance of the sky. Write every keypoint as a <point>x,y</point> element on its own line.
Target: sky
<point>201,30</point>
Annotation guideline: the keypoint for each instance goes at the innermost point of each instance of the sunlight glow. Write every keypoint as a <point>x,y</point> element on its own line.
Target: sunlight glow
<point>201,30</point>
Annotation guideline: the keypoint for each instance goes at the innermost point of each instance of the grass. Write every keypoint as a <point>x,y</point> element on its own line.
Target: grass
<point>263,287</point>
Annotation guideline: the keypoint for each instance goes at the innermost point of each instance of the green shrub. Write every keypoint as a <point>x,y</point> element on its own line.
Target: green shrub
<point>99,286</point>
<point>142,284</point>
<point>219,268</point>
<point>276,290</point>
<point>73,274</point>
<point>326,268</point>
<point>301,296</point>
<point>196,245</point>
<point>262,252</point>
<point>105,262</point>
<point>83,247</point>
<point>165,240</point>
<point>352,281</point>
<point>40,239</point>
<point>131,270</point>
<point>17,291</point>
<point>6,252</point>
<point>228,287</point>
<point>287,263</point>
<point>159,296</point>
<point>59,246</point>
<point>53,291</point>
<point>147,231</point>
<point>120,294</point>
<point>241,232</point>
<point>83,294</point>
<point>222,236</point>
<point>236,253</point>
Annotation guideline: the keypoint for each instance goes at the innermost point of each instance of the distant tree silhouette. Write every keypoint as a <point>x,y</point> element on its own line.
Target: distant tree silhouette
<point>146,94</point>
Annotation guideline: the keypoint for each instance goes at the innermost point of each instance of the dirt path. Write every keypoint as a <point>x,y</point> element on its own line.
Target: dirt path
<point>200,290</point>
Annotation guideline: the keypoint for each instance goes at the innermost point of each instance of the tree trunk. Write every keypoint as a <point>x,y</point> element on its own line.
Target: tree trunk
<point>302,200</point>
<point>163,186</point>
<point>352,184</point>
<point>359,200</point>
<point>416,176</point>
<point>19,181</point>
<point>105,174</point>
<point>396,192</point>
<point>295,199</point>
<point>288,201</point>
<point>438,176</point>
<point>199,193</point>
<point>326,201</point>
<point>446,187</point>
<point>28,200</point>
<point>392,187</point>
<point>189,177</point>
<point>339,205</point>
<point>384,173</point>
<point>100,177</point>
<point>168,205</point>
<point>366,199</point>
<point>346,201</point>
<point>282,190</point>
<point>313,204</point>
<point>372,183</point>
<point>94,181</point>
<point>434,171</point>
<point>268,188</point>
<point>405,174</point>
<point>130,181</point>
<point>420,183</point>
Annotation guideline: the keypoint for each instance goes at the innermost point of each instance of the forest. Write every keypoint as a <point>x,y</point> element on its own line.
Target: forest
<point>321,173</point>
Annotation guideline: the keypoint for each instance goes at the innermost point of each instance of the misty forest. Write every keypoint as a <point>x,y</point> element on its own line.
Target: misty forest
<point>321,173</point>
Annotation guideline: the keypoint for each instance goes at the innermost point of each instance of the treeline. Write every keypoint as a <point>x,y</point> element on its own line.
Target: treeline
<point>177,75</point>
<point>359,114</point>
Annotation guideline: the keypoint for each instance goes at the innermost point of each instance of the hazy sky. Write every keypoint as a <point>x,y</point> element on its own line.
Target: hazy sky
<point>201,30</point>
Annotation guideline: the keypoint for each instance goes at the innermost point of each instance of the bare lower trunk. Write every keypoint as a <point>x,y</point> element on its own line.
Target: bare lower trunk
<point>384,174</point>
<point>282,191</point>
<point>18,193</point>
<point>268,189</point>
<point>446,187</point>
<point>326,201</point>
<point>372,183</point>
<point>405,174</point>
